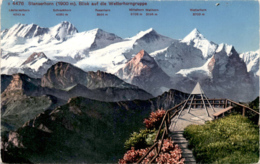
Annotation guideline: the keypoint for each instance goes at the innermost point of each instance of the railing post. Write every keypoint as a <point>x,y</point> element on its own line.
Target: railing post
<point>226,104</point>
<point>244,111</point>
<point>168,118</point>
<point>166,127</point>
<point>149,150</point>
<point>156,149</point>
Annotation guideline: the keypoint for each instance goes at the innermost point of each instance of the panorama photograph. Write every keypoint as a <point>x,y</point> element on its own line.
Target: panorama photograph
<point>167,82</point>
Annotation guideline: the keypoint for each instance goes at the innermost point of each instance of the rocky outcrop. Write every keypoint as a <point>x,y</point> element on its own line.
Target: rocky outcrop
<point>63,75</point>
<point>101,79</point>
<point>168,99</point>
<point>21,84</point>
<point>109,94</point>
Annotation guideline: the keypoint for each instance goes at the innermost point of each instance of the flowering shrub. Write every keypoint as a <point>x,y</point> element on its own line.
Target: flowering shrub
<point>171,153</point>
<point>155,119</point>
<point>141,140</point>
<point>133,155</point>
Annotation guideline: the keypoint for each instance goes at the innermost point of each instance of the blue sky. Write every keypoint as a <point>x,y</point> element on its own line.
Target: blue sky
<point>232,22</point>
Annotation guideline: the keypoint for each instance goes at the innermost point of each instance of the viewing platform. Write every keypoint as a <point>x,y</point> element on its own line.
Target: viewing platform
<point>196,110</point>
<point>197,116</point>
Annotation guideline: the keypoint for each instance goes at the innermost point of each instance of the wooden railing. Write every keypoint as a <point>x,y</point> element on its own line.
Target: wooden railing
<point>231,103</point>
<point>166,121</point>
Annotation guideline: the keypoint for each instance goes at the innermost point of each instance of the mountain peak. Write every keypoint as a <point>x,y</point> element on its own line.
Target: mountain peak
<point>194,34</point>
<point>143,71</point>
<point>140,61</point>
<point>65,23</point>
<point>26,31</point>
<point>197,40</point>
<point>142,52</point>
<point>149,30</point>
<point>143,56</point>
<point>63,75</point>
<point>34,57</point>
<point>195,30</point>
<point>98,30</point>
<point>102,38</point>
<point>61,30</point>
<point>225,47</point>
<point>143,33</point>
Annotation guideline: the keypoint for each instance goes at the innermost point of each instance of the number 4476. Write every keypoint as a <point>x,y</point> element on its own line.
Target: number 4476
<point>18,3</point>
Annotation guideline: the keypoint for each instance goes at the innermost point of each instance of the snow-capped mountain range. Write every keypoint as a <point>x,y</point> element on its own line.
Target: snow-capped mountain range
<point>32,49</point>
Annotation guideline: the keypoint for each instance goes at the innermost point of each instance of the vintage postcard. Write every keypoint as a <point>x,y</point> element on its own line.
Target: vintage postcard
<point>78,78</point>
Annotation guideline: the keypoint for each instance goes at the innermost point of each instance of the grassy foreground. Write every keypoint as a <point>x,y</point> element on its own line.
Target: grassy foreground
<point>233,139</point>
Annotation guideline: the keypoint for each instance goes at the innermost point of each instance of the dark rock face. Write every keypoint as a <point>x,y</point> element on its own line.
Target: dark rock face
<point>150,37</point>
<point>168,99</point>
<point>5,81</point>
<point>101,79</point>
<point>102,39</point>
<point>35,30</point>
